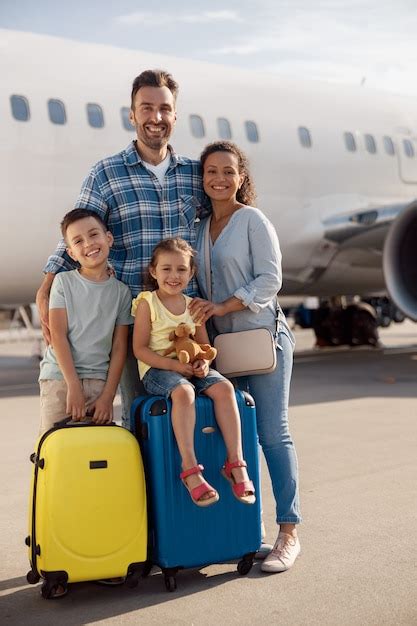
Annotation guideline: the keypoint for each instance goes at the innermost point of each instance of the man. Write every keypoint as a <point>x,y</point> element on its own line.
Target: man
<point>144,194</point>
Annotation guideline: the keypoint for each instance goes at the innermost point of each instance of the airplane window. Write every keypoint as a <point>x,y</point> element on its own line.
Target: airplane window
<point>20,108</point>
<point>389,145</point>
<point>56,111</point>
<point>197,126</point>
<point>252,132</point>
<point>350,142</point>
<point>408,148</point>
<point>95,115</point>
<point>370,144</point>
<point>223,126</point>
<point>125,112</point>
<point>305,137</point>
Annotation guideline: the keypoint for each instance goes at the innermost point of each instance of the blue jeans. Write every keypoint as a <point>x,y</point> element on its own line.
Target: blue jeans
<point>163,382</point>
<point>271,394</point>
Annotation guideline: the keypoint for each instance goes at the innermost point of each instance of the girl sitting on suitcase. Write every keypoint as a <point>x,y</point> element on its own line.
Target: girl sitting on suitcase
<point>157,313</point>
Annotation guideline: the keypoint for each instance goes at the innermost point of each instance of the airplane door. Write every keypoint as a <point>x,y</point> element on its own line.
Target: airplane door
<point>407,158</point>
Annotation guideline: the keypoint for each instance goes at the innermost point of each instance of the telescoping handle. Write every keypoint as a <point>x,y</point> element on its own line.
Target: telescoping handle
<point>68,421</point>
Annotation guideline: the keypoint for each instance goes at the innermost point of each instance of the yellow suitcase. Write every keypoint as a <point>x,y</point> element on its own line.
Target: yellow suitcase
<point>87,510</point>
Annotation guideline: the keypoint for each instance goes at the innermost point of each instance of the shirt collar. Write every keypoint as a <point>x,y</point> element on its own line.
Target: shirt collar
<point>132,157</point>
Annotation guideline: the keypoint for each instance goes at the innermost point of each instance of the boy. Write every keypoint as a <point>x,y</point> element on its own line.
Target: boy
<point>89,314</point>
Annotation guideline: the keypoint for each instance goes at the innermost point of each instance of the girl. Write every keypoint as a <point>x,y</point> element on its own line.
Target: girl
<point>246,276</point>
<point>156,314</point>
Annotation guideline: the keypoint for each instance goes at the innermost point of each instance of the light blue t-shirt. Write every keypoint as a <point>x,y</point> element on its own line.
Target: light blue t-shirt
<point>245,263</point>
<point>93,311</point>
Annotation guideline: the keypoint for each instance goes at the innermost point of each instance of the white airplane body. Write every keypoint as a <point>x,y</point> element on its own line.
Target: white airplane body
<point>347,221</point>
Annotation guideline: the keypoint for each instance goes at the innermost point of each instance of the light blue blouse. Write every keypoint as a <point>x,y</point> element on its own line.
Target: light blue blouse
<point>245,263</point>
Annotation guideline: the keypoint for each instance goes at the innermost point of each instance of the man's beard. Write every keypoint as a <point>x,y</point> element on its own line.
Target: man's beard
<point>155,143</point>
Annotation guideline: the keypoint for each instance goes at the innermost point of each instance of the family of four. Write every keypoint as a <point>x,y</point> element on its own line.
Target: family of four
<point>150,213</point>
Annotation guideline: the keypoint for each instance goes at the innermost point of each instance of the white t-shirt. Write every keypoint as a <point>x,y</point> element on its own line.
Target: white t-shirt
<point>161,169</point>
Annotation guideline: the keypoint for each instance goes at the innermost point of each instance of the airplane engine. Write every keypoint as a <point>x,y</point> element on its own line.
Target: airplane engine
<point>400,261</point>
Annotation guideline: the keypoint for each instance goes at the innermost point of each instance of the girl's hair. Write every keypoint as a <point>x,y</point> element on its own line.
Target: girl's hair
<point>174,244</point>
<point>246,194</point>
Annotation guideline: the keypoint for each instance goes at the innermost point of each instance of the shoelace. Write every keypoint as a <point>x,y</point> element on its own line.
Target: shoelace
<point>282,547</point>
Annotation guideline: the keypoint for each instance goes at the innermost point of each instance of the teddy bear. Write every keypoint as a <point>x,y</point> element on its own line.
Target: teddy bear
<point>186,348</point>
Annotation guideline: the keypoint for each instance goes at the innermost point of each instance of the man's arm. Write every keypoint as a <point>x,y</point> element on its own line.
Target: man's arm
<point>59,336</point>
<point>42,302</point>
<point>103,407</point>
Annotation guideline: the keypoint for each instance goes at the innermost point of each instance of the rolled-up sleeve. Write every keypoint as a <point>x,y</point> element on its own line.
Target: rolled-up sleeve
<point>266,263</point>
<point>59,261</point>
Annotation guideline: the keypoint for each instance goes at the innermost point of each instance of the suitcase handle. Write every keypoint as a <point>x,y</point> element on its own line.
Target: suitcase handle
<point>67,421</point>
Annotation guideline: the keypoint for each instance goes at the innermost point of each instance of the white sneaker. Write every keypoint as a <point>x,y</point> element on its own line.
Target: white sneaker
<point>283,554</point>
<point>264,550</point>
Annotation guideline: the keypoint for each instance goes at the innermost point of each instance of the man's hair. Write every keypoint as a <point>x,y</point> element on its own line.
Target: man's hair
<point>80,214</point>
<point>154,78</point>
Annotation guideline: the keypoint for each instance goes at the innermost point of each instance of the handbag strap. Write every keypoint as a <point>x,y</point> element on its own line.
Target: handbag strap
<point>207,259</point>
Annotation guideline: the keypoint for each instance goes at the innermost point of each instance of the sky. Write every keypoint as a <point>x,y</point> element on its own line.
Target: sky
<point>369,42</point>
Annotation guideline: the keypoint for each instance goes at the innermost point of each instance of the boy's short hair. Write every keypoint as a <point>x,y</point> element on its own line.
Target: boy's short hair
<point>80,214</point>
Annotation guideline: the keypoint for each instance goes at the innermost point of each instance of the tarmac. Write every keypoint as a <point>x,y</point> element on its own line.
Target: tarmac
<point>353,416</point>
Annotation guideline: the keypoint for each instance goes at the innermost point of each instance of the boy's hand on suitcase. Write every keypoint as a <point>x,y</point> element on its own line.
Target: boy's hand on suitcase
<point>201,368</point>
<point>76,402</point>
<point>102,409</point>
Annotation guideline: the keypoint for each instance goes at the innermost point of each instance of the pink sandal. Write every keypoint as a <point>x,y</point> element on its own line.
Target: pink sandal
<point>200,490</point>
<point>239,489</point>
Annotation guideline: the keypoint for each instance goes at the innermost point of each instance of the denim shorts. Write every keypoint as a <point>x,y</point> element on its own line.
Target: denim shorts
<point>163,382</point>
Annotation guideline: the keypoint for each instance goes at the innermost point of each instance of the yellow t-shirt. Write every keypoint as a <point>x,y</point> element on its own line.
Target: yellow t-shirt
<point>162,323</point>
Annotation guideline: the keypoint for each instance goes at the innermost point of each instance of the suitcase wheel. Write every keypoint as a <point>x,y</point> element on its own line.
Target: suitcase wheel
<point>170,583</point>
<point>132,580</point>
<point>147,566</point>
<point>133,574</point>
<point>48,590</point>
<point>32,577</point>
<point>245,565</point>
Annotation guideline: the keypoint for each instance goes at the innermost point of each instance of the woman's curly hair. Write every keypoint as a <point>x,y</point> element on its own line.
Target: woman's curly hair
<point>246,193</point>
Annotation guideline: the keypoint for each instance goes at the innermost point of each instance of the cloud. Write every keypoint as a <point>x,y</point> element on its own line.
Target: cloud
<point>341,40</point>
<point>156,19</point>
<point>211,16</point>
<point>138,17</point>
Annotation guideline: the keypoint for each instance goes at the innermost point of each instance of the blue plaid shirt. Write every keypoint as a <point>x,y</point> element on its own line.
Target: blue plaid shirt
<point>138,211</point>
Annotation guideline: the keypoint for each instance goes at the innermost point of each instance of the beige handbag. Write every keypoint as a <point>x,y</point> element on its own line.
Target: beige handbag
<point>244,352</point>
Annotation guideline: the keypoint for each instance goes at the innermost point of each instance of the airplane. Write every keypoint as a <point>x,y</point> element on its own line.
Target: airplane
<point>335,165</point>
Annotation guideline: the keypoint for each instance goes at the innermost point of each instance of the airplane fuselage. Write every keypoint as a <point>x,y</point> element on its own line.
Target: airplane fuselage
<point>331,205</point>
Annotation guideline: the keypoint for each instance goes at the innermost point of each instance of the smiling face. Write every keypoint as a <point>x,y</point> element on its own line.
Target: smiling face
<point>153,115</point>
<point>172,271</point>
<point>88,242</point>
<point>221,178</point>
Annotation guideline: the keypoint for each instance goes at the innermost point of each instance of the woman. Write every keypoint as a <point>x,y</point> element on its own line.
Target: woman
<point>246,276</point>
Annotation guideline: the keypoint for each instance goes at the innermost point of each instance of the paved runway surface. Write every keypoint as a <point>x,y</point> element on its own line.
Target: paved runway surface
<point>354,420</point>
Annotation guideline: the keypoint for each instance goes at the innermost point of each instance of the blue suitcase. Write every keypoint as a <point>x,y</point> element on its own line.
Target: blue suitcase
<point>183,535</point>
